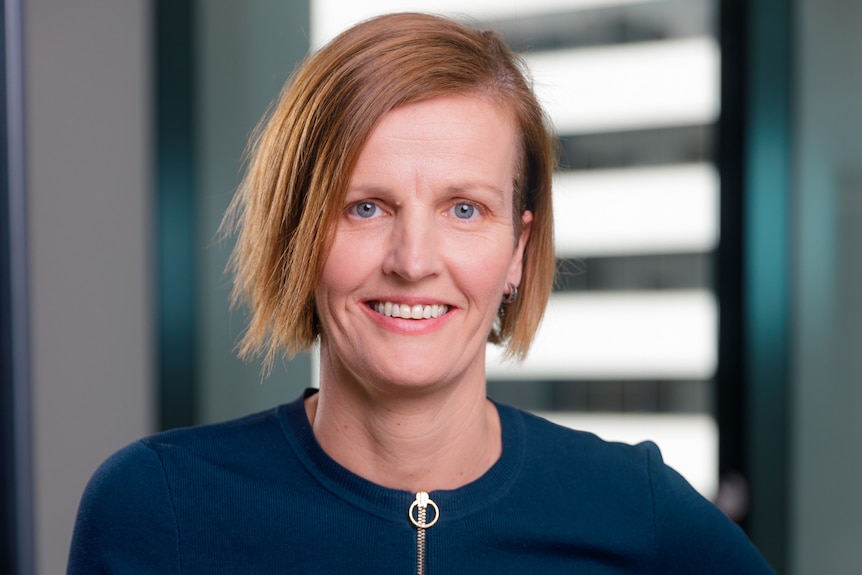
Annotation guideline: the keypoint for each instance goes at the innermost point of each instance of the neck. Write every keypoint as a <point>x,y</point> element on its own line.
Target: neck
<point>414,441</point>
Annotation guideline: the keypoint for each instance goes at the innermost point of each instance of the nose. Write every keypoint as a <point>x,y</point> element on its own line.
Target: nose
<point>413,251</point>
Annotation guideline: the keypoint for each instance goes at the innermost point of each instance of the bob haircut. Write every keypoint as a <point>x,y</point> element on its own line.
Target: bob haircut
<point>303,153</point>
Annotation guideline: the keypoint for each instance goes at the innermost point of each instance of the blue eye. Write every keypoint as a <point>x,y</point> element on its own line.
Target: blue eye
<point>464,211</point>
<point>365,209</point>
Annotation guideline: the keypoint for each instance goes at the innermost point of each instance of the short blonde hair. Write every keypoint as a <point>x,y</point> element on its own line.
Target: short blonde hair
<point>304,152</point>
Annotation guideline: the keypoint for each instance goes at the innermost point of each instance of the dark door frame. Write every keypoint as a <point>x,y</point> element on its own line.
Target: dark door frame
<point>754,156</point>
<point>17,553</point>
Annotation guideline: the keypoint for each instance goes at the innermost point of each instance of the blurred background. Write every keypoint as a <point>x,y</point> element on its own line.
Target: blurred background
<point>709,208</point>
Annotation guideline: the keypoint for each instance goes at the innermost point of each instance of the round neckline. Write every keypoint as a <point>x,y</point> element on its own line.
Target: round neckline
<point>392,504</point>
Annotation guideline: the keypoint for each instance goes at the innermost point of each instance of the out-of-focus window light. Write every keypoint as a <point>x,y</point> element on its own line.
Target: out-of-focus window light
<point>632,86</point>
<point>636,210</point>
<point>329,17</point>
<point>607,335</point>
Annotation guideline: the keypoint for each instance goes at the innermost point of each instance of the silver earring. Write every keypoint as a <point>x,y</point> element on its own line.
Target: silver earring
<point>512,295</point>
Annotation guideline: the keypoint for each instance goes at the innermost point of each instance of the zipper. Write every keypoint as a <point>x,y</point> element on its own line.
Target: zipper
<point>419,507</point>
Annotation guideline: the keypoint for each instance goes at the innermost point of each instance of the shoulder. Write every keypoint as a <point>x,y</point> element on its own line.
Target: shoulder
<point>208,459</point>
<point>126,503</point>
<point>157,452</point>
<point>611,482</point>
<point>631,496</point>
<point>584,451</point>
<point>245,436</point>
<point>132,509</point>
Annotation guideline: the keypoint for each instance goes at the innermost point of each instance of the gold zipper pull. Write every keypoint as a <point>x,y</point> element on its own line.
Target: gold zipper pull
<point>420,507</point>
<point>420,521</point>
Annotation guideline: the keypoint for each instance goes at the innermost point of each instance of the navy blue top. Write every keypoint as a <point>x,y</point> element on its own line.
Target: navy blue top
<point>259,495</point>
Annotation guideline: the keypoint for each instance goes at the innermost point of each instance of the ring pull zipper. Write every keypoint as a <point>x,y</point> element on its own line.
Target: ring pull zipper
<point>419,507</point>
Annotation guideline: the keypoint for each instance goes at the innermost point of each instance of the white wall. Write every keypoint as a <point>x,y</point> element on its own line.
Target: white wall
<point>88,146</point>
<point>826,507</point>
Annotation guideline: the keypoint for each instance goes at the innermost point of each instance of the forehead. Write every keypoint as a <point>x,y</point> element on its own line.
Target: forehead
<point>445,135</point>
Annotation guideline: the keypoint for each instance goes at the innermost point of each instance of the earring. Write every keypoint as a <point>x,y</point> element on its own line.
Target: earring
<point>512,295</point>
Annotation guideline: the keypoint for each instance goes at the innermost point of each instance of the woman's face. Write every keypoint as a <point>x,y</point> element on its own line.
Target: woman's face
<point>424,247</point>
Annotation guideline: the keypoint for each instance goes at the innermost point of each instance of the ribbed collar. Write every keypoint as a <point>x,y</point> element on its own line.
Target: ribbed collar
<point>392,503</point>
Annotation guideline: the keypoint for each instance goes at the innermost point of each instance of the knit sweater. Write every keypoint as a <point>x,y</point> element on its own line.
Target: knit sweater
<point>259,495</point>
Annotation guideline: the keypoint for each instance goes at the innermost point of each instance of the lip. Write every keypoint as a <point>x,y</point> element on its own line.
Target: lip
<point>403,325</point>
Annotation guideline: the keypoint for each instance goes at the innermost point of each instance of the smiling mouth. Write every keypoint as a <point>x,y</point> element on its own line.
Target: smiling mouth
<point>406,311</point>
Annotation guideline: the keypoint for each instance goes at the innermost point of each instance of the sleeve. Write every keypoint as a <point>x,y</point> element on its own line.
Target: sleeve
<point>691,534</point>
<point>126,521</point>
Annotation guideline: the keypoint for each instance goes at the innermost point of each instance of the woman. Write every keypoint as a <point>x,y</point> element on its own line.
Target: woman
<point>397,210</point>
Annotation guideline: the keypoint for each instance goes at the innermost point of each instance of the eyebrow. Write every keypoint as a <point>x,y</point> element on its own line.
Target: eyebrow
<point>374,189</point>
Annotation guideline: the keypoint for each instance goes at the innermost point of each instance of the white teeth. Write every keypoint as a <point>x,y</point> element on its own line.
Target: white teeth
<point>417,311</point>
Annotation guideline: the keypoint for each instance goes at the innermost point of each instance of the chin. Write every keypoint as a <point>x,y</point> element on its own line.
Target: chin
<point>422,375</point>
<point>418,376</point>
<point>417,364</point>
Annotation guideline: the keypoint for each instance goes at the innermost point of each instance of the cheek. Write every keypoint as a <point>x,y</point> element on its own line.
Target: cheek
<point>344,266</point>
<point>483,272</point>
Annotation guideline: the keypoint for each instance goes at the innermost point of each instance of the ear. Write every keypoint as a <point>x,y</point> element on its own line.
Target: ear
<point>516,266</point>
